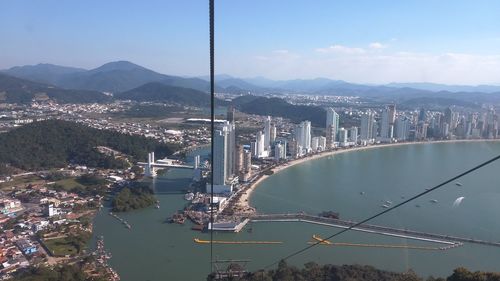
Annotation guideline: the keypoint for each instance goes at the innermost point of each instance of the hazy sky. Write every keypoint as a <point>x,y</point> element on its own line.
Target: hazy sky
<point>455,42</point>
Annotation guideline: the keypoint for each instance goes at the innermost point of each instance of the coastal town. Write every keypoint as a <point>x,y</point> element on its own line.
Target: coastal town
<point>47,215</point>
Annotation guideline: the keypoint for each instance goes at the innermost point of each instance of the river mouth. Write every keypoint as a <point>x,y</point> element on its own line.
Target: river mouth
<point>153,249</point>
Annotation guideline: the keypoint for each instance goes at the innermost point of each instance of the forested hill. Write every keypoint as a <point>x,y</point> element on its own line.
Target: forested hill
<point>55,143</point>
<point>158,92</point>
<point>16,90</point>
<point>280,107</point>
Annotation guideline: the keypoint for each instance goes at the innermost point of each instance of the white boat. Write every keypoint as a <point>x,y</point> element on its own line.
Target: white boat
<point>458,184</point>
<point>433,201</point>
<point>388,202</point>
<point>385,206</point>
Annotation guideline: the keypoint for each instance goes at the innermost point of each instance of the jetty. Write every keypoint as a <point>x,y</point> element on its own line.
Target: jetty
<point>370,228</point>
<point>318,240</point>
<point>124,222</point>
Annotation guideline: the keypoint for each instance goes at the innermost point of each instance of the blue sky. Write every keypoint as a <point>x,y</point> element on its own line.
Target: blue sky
<point>454,42</point>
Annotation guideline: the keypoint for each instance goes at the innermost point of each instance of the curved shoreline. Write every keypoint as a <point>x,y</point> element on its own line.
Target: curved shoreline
<point>244,199</point>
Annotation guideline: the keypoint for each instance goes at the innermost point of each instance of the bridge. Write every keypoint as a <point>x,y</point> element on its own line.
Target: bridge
<point>151,166</point>
<point>370,228</point>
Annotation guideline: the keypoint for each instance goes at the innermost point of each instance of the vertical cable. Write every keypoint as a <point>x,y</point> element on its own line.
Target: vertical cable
<point>212,117</point>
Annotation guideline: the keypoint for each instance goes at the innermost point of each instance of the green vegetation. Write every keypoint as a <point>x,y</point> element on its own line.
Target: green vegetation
<point>137,196</point>
<point>315,272</point>
<point>56,143</point>
<point>16,90</point>
<point>281,108</point>
<point>159,92</point>
<point>66,272</point>
<point>84,185</point>
<point>21,181</point>
<point>72,244</point>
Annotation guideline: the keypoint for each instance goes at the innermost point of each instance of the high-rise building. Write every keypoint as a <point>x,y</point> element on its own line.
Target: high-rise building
<point>260,141</point>
<point>267,133</point>
<point>367,122</point>
<point>386,128</point>
<point>303,136</point>
<point>353,135</point>
<point>279,151</point>
<point>230,114</point>
<point>421,131</point>
<point>273,134</point>
<point>391,114</point>
<point>315,144</point>
<point>448,116</point>
<point>402,128</point>
<point>422,115</point>
<point>232,141</point>
<point>246,169</point>
<point>332,118</point>
<point>343,137</point>
<point>331,136</point>
<point>239,159</point>
<point>293,148</point>
<point>322,143</point>
<point>221,143</point>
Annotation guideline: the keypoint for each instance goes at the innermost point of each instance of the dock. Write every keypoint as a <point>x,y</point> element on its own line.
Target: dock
<point>370,228</point>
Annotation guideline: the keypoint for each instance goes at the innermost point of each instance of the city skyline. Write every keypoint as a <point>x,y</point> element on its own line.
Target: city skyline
<point>378,43</point>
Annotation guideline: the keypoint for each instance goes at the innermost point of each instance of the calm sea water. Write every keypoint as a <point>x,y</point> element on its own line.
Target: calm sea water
<point>154,250</point>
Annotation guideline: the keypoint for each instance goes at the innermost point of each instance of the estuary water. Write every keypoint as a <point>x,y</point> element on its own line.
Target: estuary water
<point>355,184</point>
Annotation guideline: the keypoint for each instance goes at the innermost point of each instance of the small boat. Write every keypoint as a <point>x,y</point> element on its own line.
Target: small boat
<point>433,201</point>
<point>418,206</point>
<point>458,184</point>
<point>388,202</point>
<point>385,206</point>
<point>362,193</point>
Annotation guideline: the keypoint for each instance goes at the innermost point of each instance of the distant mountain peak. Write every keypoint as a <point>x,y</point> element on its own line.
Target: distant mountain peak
<point>117,65</point>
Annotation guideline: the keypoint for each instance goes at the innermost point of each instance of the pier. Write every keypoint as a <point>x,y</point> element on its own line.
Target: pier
<point>386,246</point>
<point>124,222</point>
<point>370,228</point>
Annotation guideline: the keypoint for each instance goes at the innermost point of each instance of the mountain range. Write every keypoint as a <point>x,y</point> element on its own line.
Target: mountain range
<point>128,80</point>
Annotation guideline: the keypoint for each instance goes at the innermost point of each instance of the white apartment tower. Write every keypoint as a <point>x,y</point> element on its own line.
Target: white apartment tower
<point>367,122</point>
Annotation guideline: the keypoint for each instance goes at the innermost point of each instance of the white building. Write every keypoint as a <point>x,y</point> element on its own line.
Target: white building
<point>367,127</point>
<point>402,128</point>
<point>303,137</point>
<point>343,138</point>
<point>353,135</point>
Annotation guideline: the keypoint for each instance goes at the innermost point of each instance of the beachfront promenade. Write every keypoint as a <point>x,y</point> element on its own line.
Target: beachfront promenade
<point>376,229</point>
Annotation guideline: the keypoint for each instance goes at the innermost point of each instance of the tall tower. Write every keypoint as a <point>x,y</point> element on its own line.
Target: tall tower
<point>231,148</point>
<point>220,169</point>
<point>367,121</point>
<point>387,123</point>
<point>332,119</point>
<point>267,133</point>
<point>303,135</point>
<point>239,159</point>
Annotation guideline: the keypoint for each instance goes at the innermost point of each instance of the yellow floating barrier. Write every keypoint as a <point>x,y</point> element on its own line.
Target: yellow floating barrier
<point>199,241</point>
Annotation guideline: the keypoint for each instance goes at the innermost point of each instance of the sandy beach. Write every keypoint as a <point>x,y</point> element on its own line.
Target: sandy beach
<point>244,200</point>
